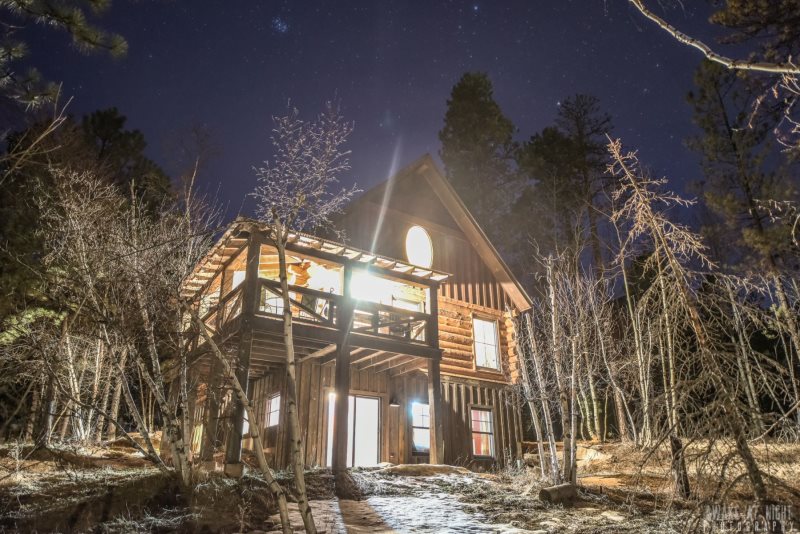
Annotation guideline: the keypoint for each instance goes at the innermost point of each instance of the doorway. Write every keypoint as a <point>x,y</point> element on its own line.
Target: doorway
<point>363,430</point>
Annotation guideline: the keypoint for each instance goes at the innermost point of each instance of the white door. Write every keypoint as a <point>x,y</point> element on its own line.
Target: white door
<point>363,430</point>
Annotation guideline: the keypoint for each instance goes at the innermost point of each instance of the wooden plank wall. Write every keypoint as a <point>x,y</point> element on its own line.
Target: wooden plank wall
<point>316,381</point>
<point>458,398</point>
<point>471,280</point>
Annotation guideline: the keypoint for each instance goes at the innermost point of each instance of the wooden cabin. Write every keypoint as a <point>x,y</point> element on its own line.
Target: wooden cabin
<point>408,319</point>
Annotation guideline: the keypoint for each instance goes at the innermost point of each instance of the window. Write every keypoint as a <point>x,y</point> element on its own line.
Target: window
<point>238,278</point>
<point>420,428</point>
<point>245,425</point>
<point>482,433</point>
<point>273,410</point>
<point>486,349</point>
<point>419,249</point>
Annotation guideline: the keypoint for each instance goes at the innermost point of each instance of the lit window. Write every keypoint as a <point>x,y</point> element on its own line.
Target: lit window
<point>245,425</point>
<point>372,288</point>
<point>238,278</point>
<point>420,428</point>
<point>273,410</point>
<point>482,434</point>
<point>419,249</point>
<point>486,349</point>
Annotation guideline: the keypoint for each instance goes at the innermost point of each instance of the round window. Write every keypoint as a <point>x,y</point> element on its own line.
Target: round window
<point>419,249</point>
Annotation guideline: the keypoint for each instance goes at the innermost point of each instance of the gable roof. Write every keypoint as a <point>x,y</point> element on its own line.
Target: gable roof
<point>426,167</point>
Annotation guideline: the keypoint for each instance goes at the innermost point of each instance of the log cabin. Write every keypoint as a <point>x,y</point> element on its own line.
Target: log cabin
<point>402,328</point>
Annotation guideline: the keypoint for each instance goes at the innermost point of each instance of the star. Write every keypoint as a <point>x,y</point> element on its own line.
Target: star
<point>280,25</point>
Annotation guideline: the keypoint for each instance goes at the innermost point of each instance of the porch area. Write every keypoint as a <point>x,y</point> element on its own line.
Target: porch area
<point>361,323</point>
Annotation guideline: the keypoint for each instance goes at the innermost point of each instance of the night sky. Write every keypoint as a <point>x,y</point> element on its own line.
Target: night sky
<point>230,66</point>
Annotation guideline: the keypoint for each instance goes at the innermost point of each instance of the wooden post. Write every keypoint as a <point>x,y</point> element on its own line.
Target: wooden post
<point>436,414</point>
<point>211,417</point>
<point>233,450</point>
<point>432,326</point>
<point>341,408</point>
<point>342,381</point>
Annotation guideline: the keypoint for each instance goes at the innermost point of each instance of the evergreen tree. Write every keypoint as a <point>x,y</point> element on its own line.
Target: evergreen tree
<point>565,165</point>
<point>70,16</point>
<point>100,144</point>
<point>773,25</point>
<point>741,167</point>
<point>478,148</point>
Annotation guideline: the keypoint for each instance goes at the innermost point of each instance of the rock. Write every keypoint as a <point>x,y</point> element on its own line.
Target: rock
<point>613,516</point>
<point>562,494</point>
<point>589,454</point>
<point>424,470</point>
<point>530,459</point>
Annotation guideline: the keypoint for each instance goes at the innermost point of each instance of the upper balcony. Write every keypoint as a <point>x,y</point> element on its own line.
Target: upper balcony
<point>380,304</point>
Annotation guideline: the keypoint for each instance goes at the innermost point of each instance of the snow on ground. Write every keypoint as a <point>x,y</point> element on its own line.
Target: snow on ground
<point>457,501</point>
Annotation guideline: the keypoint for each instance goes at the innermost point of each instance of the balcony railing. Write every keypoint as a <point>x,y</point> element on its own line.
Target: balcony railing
<point>315,307</point>
<point>218,317</point>
<point>388,321</point>
<point>307,305</point>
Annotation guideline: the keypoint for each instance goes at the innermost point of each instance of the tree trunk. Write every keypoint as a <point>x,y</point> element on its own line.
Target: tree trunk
<point>295,433</point>
<point>528,389</point>
<point>679,473</point>
<point>555,472</point>
<point>255,430</point>
<point>111,431</point>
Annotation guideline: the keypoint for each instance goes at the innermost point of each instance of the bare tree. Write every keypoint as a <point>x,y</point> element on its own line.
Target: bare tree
<point>295,194</point>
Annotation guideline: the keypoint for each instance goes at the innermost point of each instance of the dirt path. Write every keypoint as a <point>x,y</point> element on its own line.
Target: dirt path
<point>464,502</point>
<point>398,514</point>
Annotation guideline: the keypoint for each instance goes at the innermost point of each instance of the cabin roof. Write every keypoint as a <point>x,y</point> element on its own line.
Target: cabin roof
<point>427,168</point>
<point>234,239</point>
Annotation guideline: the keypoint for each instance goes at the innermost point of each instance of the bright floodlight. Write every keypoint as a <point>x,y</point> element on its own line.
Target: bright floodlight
<point>419,249</point>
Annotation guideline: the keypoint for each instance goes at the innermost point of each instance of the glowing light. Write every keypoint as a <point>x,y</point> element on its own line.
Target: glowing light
<point>419,249</point>
<point>387,192</point>
<point>367,286</point>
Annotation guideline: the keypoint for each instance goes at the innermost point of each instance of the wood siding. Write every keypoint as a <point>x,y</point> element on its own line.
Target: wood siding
<point>316,381</point>
<point>471,280</point>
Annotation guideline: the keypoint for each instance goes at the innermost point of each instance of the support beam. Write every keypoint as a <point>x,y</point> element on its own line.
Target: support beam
<point>211,417</point>
<point>436,414</point>
<point>394,362</point>
<point>341,409</point>
<point>233,450</point>
<point>408,367</point>
<point>342,385</point>
<point>370,355</point>
<point>324,351</point>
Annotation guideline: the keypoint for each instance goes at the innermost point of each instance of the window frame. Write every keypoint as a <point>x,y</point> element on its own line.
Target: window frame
<point>490,411</point>
<point>269,411</point>
<point>475,342</point>
<point>415,452</point>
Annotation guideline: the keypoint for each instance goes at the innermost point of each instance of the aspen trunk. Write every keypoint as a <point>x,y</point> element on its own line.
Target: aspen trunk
<point>111,431</point>
<point>558,360</point>
<point>295,434</point>
<point>528,388</point>
<point>555,472</point>
<point>255,429</point>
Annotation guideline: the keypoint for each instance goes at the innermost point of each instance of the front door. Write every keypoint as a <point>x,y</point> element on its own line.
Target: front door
<point>363,430</point>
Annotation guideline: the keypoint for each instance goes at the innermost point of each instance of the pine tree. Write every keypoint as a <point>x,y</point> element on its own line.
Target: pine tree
<point>741,166</point>
<point>477,148</point>
<point>774,25</point>
<point>743,171</point>
<point>565,165</point>
<point>70,16</point>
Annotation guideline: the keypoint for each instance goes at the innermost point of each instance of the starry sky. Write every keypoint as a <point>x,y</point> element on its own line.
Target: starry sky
<point>229,66</point>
